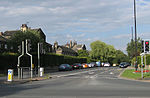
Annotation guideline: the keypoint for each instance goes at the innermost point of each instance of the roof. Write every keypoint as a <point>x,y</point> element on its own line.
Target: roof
<point>10,33</point>
<point>2,38</point>
<point>78,47</point>
<point>48,44</point>
<point>67,49</point>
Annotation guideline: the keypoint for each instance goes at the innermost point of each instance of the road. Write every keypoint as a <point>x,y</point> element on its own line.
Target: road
<point>88,83</point>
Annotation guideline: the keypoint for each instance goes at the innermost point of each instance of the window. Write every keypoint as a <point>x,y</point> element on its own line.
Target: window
<point>6,46</point>
<point>11,47</point>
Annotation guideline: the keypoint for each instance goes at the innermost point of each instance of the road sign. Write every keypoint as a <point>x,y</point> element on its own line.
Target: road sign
<point>145,46</point>
<point>10,75</point>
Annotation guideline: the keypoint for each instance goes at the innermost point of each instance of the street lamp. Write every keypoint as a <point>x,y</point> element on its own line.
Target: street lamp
<point>136,67</point>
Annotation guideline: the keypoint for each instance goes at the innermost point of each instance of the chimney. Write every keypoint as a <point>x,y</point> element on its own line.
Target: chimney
<point>56,45</point>
<point>70,43</point>
<point>1,33</point>
<point>24,27</point>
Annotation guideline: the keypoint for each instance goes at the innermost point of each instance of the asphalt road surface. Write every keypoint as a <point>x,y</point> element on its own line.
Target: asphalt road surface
<point>88,83</point>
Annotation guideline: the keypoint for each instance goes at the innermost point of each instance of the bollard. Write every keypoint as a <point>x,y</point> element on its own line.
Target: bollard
<point>41,71</point>
<point>10,75</point>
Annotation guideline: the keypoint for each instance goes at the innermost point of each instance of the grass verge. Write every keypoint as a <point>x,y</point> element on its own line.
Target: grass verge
<point>129,73</point>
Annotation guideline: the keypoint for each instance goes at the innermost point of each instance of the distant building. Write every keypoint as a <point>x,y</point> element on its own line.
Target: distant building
<point>63,50</point>
<point>75,46</point>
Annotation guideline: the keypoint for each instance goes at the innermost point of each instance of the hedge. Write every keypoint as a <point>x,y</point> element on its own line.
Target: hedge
<point>139,60</point>
<point>47,60</point>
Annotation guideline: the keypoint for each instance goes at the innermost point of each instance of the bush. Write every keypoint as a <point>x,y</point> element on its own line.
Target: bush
<point>139,60</point>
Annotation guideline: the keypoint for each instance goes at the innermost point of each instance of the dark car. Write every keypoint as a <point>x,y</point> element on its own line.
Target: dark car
<point>124,65</point>
<point>76,66</point>
<point>65,67</point>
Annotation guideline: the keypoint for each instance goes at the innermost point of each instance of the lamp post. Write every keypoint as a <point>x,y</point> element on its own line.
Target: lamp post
<point>136,67</point>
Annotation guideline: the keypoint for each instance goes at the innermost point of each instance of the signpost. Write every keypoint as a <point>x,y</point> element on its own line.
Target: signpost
<point>10,75</point>
<point>26,51</point>
<point>18,65</point>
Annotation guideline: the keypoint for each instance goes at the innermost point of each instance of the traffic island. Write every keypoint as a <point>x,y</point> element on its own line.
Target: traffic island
<point>135,75</point>
<point>22,81</point>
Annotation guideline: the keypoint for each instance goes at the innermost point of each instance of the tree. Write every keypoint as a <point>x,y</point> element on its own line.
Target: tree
<point>107,53</point>
<point>120,57</point>
<point>20,36</point>
<point>131,48</point>
<point>98,50</point>
<point>83,53</point>
<point>102,51</point>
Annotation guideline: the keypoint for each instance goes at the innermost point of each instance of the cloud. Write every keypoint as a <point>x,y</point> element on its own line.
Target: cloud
<point>81,35</point>
<point>24,11</point>
<point>68,36</point>
<point>122,36</point>
<point>145,35</point>
<point>81,20</point>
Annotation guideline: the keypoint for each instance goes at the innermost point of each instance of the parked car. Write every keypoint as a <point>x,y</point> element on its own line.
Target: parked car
<point>93,64</point>
<point>106,64</point>
<point>114,65</point>
<point>89,65</point>
<point>124,65</point>
<point>65,67</point>
<point>84,65</point>
<point>98,64</point>
<point>76,66</point>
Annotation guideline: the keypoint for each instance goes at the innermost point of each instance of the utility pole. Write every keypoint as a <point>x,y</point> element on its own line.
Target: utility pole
<point>136,66</point>
<point>132,33</point>
<point>38,59</point>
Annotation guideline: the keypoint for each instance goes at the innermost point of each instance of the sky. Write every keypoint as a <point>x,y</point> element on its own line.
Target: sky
<point>83,21</point>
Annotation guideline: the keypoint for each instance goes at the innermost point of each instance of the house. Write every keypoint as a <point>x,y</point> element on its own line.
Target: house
<point>75,46</point>
<point>63,50</point>
<point>24,28</point>
<point>3,44</point>
<point>38,32</point>
<point>48,47</point>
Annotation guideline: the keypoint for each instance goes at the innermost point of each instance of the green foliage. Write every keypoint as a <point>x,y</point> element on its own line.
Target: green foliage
<point>20,36</point>
<point>83,53</point>
<point>8,61</point>
<point>90,60</point>
<point>106,53</point>
<point>47,60</point>
<point>131,48</point>
<point>120,57</point>
<point>98,50</point>
<point>139,60</point>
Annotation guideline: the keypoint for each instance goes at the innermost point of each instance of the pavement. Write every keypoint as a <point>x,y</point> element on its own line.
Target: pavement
<point>3,80</point>
<point>48,71</point>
